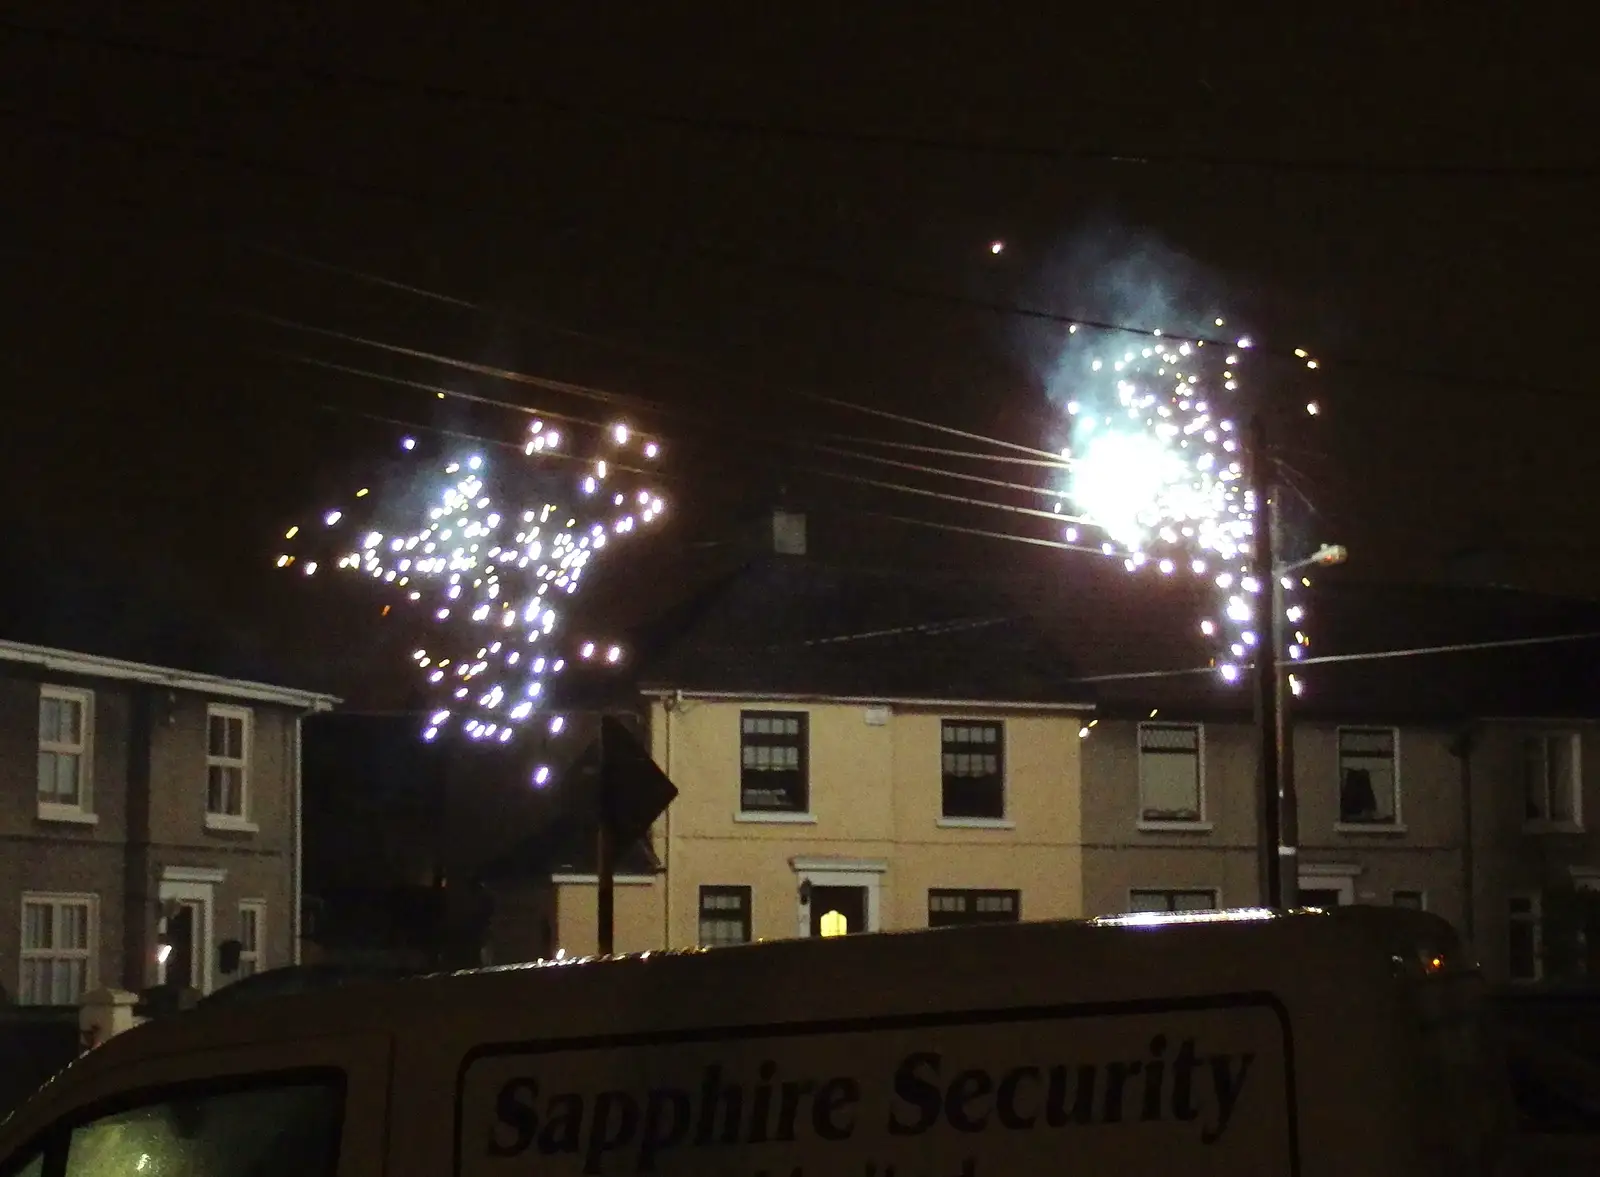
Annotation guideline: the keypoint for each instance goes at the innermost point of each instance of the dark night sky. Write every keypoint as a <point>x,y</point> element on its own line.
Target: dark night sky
<point>148,423</point>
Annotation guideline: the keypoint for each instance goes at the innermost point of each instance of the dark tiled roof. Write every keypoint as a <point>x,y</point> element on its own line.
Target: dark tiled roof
<point>797,626</point>
<point>787,625</point>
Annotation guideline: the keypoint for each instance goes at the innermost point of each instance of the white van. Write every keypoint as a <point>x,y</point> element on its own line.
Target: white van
<point>1238,1043</point>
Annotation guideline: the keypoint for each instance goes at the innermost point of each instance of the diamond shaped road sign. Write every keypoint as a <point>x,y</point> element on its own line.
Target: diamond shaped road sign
<point>617,768</point>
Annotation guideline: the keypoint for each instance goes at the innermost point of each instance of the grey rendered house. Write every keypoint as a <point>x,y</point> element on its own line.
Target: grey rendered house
<point>148,815</point>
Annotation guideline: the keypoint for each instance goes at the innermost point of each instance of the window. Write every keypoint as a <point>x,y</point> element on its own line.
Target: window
<point>252,933</point>
<point>1411,900</point>
<point>65,767</point>
<point>284,1128</point>
<point>772,750</point>
<point>1196,899</point>
<point>724,916</point>
<point>947,908</point>
<point>973,766</point>
<point>58,942</point>
<point>227,763</point>
<point>1524,936</point>
<point>1550,780</point>
<point>1169,773</point>
<point>1369,793</point>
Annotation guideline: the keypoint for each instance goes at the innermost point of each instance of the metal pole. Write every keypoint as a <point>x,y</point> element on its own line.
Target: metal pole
<point>1288,847</point>
<point>605,857</point>
<point>1267,669</point>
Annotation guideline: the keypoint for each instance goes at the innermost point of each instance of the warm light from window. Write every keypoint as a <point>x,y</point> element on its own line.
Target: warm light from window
<point>834,923</point>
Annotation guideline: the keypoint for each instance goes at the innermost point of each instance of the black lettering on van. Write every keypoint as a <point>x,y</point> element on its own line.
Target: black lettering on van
<point>1183,1069</point>
<point>1154,1072</point>
<point>922,1094</point>
<point>1005,1098</point>
<point>563,1126</point>
<point>966,1090</point>
<point>666,1123</point>
<point>761,1105</point>
<point>712,1095</point>
<point>516,1108</point>
<point>1117,1076</point>
<point>837,1095</point>
<point>1057,1113</point>
<point>616,1119</point>
<point>794,1090</point>
<point>1228,1085</point>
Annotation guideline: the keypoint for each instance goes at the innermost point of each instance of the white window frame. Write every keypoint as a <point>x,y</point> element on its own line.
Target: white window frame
<point>90,954</point>
<point>257,956</point>
<point>1422,897</point>
<point>1198,889</point>
<point>1545,824</point>
<point>1535,917</point>
<point>83,811</point>
<point>1203,823</point>
<point>1398,825</point>
<point>246,718</point>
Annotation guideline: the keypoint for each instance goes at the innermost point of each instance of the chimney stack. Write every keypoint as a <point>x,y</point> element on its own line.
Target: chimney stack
<point>788,533</point>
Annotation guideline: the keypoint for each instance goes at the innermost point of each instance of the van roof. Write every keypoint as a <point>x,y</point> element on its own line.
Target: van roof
<point>1103,960</point>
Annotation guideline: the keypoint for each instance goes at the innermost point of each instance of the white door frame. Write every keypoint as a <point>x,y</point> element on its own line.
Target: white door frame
<point>839,872</point>
<point>196,885</point>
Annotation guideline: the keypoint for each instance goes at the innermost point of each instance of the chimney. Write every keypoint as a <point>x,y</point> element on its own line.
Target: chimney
<point>788,533</point>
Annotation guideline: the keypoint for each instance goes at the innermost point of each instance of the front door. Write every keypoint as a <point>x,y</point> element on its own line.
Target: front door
<point>186,948</point>
<point>838,911</point>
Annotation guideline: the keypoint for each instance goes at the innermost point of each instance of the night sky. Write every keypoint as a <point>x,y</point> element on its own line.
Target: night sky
<point>726,213</point>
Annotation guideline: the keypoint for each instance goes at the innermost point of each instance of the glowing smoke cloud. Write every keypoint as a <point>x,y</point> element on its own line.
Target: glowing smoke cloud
<point>1160,469</point>
<point>490,567</point>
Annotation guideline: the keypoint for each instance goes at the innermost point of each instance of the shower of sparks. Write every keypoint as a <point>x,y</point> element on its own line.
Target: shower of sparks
<point>489,564</point>
<point>1158,463</point>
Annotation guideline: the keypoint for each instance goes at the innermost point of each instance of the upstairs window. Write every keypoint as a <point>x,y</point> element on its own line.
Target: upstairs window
<point>1550,779</point>
<point>973,769</point>
<point>1369,777</point>
<point>773,762</point>
<point>1170,781</point>
<point>227,764</point>
<point>65,718</point>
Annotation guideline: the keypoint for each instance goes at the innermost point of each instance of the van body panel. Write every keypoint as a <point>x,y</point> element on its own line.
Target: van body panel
<point>1006,1090</point>
<point>1342,1078</point>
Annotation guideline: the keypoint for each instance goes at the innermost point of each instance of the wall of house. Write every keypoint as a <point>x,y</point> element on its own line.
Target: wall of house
<point>1123,853</point>
<point>1420,852</point>
<point>637,916</point>
<point>874,815</point>
<point>80,857</point>
<point>144,816</point>
<point>1514,856</point>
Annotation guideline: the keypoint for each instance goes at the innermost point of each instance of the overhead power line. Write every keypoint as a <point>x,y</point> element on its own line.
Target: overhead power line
<point>772,130</point>
<point>819,471</point>
<point>1365,656</point>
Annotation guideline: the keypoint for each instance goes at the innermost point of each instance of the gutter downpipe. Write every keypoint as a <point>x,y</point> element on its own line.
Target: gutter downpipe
<point>296,909</point>
<point>666,829</point>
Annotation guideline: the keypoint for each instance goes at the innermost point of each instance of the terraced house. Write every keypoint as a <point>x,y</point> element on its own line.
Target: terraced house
<point>866,750</point>
<point>148,816</point>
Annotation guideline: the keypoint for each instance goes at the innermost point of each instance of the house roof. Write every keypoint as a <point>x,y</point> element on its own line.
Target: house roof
<point>791,626</point>
<point>69,662</point>
<point>1094,635</point>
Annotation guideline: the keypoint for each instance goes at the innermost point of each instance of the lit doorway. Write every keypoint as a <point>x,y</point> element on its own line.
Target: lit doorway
<point>838,911</point>
<point>185,943</point>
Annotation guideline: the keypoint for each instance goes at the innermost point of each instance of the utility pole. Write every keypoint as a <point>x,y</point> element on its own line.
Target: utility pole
<point>1268,699</point>
<point>1288,848</point>
<point>605,856</point>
